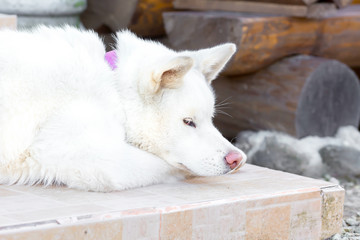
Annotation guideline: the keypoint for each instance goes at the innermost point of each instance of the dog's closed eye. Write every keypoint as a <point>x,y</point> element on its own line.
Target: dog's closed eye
<point>189,122</point>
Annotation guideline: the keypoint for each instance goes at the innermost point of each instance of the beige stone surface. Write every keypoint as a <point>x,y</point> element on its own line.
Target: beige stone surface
<point>176,225</point>
<point>215,221</point>
<point>304,219</point>
<point>111,230</point>
<point>254,203</point>
<point>332,210</point>
<point>268,223</point>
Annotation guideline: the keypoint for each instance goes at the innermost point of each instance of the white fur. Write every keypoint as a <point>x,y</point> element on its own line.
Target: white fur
<point>67,118</point>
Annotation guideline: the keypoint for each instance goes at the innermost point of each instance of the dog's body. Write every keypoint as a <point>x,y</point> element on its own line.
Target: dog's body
<point>67,118</point>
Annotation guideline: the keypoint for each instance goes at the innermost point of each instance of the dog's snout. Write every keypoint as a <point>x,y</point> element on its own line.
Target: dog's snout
<point>233,159</point>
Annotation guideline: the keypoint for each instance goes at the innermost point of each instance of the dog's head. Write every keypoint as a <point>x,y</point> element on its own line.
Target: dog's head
<point>169,104</point>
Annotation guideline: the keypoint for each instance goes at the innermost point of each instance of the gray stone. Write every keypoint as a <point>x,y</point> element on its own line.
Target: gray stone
<point>243,141</point>
<point>351,222</point>
<point>336,237</point>
<point>348,230</point>
<point>280,156</point>
<point>341,161</point>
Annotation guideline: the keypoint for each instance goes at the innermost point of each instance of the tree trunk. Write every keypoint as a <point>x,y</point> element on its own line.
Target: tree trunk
<point>316,10</point>
<point>144,17</point>
<point>299,95</point>
<point>147,20</point>
<point>261,39</point>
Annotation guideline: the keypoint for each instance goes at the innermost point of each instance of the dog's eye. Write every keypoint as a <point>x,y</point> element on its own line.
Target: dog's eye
<point>189,122</point>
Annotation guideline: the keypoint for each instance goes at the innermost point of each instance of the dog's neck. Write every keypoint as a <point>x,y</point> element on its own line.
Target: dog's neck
<point>111,58</point>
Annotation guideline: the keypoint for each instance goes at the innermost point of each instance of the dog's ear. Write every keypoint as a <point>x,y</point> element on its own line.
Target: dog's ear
<point>211,61</point>
<point>170,74</point>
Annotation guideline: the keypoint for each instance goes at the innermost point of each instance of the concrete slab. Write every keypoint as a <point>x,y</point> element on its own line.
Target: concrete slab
<point>254,203</point>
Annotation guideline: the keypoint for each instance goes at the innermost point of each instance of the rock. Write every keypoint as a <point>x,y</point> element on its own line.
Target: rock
<point>351,222</point>
<point>334,180</point>
<point>331,179</point>
<point>341,161</point>
<point>349,135</point>
<point>282,152</point>
<point>280,156</point>
<point>357,230</point>
<point>348,229</point>
<point>243,141</point>
<point>336,237</point>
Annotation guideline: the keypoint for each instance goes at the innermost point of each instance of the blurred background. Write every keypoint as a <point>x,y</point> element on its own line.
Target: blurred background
<point>290,97</point>
<point>293,71</point>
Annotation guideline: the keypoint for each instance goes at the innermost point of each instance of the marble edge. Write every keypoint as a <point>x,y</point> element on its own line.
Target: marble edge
<point>123,214</point>
<point>332,188</point>
<point>3,15</point>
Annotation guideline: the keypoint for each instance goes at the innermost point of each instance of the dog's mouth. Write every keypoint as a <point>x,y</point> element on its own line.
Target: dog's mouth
<point>183,167</point>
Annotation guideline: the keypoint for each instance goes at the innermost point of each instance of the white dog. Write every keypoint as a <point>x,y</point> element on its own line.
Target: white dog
<point>67,118</point>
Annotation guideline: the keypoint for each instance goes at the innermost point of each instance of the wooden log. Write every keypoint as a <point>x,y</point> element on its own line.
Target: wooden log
<point>316,10</point>
<point>144,17</point>
<point>357,71</point>
<point>342,3</point>
<point>108,16</point>
<point>340,37</point>
<point>299,95</point>
<point>339,3</point>
<point>321,10</point>
<point>308,2</point>
<point>147,20</point>
<point>289,2</point>
<point>264,39</point>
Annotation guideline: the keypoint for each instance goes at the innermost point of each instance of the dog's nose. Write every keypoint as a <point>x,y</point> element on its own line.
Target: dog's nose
<point>233,159</point>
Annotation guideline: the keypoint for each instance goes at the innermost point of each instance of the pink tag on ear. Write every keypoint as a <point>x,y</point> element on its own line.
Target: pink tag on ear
<point>111,58</point>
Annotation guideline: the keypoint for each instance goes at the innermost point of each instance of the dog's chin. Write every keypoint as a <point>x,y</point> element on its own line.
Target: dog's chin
<point>185,171</point>
<point>191,173</point>
<point>188,173</point>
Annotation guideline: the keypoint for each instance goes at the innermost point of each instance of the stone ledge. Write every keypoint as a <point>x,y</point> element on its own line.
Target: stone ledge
<point>8,21</point>
<point>255,203</point>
